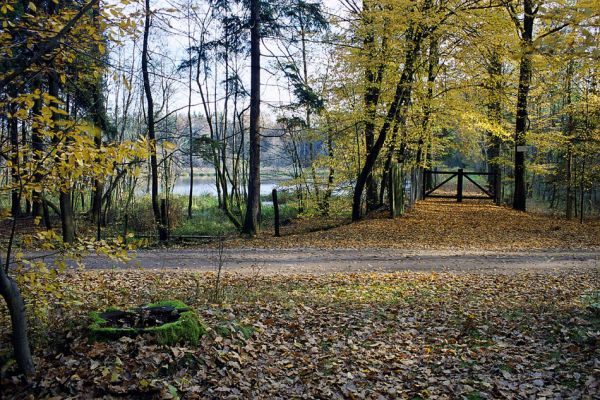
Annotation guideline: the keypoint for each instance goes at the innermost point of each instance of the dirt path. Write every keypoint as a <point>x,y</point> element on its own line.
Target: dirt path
<point>319,261</point>
<point>434,236</point>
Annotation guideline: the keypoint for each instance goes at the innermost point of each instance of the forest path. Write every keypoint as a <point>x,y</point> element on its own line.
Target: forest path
<point>320,261</point>
<point>435,236</point>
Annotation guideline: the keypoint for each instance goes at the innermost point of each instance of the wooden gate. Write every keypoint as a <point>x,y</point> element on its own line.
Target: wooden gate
<point>487,193</point>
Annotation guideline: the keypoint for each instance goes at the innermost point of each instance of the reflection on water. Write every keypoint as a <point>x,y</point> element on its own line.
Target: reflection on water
<point>203,187</point>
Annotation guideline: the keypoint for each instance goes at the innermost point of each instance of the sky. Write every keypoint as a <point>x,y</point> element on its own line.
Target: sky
<point>169,44</point>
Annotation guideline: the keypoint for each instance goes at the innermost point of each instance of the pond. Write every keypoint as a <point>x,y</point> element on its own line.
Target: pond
<point>203,186</point>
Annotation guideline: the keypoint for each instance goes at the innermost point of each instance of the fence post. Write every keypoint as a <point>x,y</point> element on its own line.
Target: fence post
<point>164,215</point>
<point>459,186</point>
<point>392,191</point>
<point>276,211</point>
<point>497,186</point>
<point>125,227</point>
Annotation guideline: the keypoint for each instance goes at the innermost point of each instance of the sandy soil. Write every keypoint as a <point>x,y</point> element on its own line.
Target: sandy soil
<point>322,261</point>
<point>435,236</point>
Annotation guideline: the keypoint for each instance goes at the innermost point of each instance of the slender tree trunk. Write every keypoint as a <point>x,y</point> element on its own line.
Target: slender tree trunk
<point>373,77</point>
<point>158,218</point>
<point>391,151</point>
<point>189,117</point>
<point>308,113</point>
<point>67,217</point>
<point>432,70</point>
<point>582,190</point>
<point>330,177</point>
<point>401,97</point>
<point>100,120</point>
<point>570,128</point>
<point>520,193</point>
<point>24,132</point>
<point>37,145</point>
<point>495,115</point>
<point>252,220</point>
<point>99,116</point>
<point>13,127</point>
<point>191,143</point>
<point>16,308</point>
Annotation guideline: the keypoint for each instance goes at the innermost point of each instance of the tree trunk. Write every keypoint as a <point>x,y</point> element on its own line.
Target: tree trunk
<point>67,217</point>
<point>520,193</point>
<point>37,145</point>
<point>330,177</point>
<point>101,121</point>
<point>191,140</point>
<point>570,128</point>
<point>162,230</point>
<point>13,127</point>
<point>252,219</point>
<point>495,115</point>
<point>373,77</point>
<point>16,307</point>
<point>387,167</point>
<point>401,97</point>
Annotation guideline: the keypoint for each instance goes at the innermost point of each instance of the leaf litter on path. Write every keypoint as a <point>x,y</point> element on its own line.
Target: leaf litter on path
<point>471,225</point>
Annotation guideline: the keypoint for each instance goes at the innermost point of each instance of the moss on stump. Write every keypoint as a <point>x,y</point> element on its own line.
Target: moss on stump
<point>169,322</point>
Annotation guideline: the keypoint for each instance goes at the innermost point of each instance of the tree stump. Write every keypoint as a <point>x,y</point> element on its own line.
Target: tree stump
<point>169,322</point>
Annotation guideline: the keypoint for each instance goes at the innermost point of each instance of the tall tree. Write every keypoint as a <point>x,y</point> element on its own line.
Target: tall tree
<point>252,220</point>
<point>525,28</point>
<point>158,217</point>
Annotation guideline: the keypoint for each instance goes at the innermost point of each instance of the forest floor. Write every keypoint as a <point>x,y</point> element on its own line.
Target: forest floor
<point>472,225</point>
<point>450,301</point>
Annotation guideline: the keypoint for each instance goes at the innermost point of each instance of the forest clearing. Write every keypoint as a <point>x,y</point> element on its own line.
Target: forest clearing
<point>254,199</point>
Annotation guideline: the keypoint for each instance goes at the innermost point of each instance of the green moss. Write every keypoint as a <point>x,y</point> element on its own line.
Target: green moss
<point>99,331</point>
<point>228,330</point>
<point>247,331</point>
<point>168,303</point>
<point>189,327</point>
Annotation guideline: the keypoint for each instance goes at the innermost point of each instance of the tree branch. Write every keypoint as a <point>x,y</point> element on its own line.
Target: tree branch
<point>22,63</point>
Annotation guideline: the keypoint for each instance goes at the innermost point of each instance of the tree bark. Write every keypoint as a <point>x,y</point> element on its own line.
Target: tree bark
<point>13,128</point>
<point>520,193</point>
<point>16,307</point>
<point>495,115</point>
<point>373,77</point>
<point>401,97</point>
<point>252,220</point>
<point>158,219</point>
<point>190,136</point>
<point>37,146</point>
<point>570,128</point>
<point>99,118</point>
<point>67,217</point>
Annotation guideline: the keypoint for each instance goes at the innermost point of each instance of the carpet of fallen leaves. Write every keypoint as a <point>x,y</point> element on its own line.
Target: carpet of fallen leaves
<point>377,336</point>
<point>431,224</point>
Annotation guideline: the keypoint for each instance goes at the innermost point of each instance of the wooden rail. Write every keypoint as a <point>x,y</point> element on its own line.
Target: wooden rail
<point>491,193</point>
